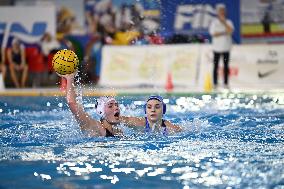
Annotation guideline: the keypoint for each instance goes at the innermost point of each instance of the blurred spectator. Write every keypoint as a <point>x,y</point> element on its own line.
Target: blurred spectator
<point>66,21</point>
<point>49,44</point>
<point>17,63</point>
<point>266,21</point>
<point>155,39</point>
<point>221,30</point>
<point>92,61</point>
<point>123,18</point>
<point>92,21</point>
<point>136,12</point>
<point>126,38</point>
<point>106,16</point>
<point>2,64</point>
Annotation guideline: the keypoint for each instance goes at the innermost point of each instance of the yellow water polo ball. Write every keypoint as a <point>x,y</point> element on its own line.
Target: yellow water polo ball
<point>65,62</point>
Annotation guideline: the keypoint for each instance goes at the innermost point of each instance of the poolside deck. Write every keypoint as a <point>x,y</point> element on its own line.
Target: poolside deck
<point>101,91</point>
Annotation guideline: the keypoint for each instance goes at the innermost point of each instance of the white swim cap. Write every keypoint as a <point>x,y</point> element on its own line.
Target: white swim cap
<point>100,105</point>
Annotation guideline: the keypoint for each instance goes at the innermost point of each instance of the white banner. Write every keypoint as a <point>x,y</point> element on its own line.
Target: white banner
<point>250,65</point>
<point>149,65</point>
<point>26,22</point>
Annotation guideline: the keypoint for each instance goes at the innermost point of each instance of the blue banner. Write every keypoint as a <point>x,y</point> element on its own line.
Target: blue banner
<point>15,22</point>
<point>194,16</point>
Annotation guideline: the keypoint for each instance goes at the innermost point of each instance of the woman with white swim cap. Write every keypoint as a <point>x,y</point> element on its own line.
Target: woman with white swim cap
<point>108,109</point>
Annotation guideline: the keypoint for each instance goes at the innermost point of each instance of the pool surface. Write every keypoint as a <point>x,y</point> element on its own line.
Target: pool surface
<point>230,140</point>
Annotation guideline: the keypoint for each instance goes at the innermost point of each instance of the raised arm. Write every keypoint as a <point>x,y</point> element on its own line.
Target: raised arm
<point>84,119</point>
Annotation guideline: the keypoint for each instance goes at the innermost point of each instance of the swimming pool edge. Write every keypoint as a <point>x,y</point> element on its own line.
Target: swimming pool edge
<point>129,92</point>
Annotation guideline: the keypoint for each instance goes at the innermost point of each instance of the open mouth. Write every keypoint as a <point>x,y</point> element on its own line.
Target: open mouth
<point>116,114</point>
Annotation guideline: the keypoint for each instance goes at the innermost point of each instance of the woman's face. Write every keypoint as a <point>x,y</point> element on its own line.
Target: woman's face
<point>154,110</point>
<point>221,12</point>
<point>112,112</point>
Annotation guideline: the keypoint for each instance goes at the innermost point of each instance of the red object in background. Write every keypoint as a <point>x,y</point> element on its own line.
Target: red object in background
<point>233,71</point>
<point>259,35</point>
<point>169,84</point>
<point>155,39</point>
<point>35,60</point>
<point>49,62</point>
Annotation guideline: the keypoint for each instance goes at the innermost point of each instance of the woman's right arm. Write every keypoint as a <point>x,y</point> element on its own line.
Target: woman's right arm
<point>84,119</point>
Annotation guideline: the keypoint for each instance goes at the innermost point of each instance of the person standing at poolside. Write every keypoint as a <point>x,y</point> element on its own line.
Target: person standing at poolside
<point>221,30</point>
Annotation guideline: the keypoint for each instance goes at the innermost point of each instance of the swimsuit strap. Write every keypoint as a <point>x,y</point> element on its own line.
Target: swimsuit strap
<point>165,131</point>
<point>148,129</point>
<point>147,126</point>
<point>108,133</point>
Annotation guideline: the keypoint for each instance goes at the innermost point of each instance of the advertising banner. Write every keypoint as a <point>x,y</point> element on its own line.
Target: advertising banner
<point>26,23</point>
<point>149,65</point>
<point>250,65</point>
<point>189,65</point>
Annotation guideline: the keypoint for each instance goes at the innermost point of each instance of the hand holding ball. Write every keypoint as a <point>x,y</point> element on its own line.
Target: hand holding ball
<point>65,62</point>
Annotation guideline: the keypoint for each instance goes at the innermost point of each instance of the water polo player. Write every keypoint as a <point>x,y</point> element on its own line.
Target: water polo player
<point>153,122</point>
<point>106,107</point>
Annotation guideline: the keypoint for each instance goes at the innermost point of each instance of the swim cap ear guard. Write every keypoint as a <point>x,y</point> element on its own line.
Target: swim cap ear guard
<point>99,108</point>
<point>100,105</point>
<point>160,99</point>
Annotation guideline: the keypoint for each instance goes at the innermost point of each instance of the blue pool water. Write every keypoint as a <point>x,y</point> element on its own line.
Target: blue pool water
<point>229,141</point>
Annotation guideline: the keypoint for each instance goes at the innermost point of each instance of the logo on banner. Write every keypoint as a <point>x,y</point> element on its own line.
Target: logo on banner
<point>197,16</point>
<point>270,58</point>
<point>27,34</point>
<point>266,74</point>
<point>15,22</point>
<point>38,28</point>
